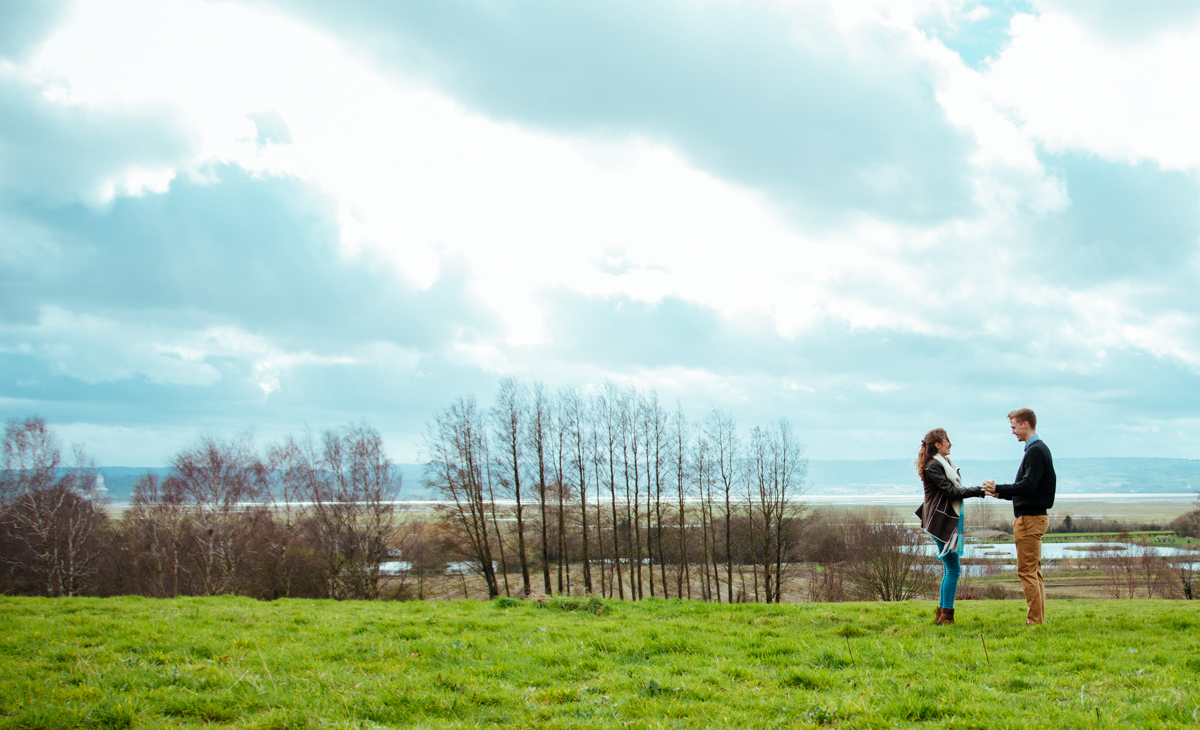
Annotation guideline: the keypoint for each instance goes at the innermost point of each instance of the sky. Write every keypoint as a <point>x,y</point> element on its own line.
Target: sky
<point>871,218</point>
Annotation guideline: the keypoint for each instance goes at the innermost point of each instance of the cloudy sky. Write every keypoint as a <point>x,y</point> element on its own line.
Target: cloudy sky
<point>869,217</point>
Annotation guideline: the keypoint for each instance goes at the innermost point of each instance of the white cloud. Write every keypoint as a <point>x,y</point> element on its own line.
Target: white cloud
<point>417,176</point>
<point>882,387</point>
<point>97,349</point>
<point>1072,89</point>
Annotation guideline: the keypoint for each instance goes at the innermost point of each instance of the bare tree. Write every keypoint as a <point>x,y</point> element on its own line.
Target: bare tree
<point>559,450</point>
<point>790,469</point>
<point>48,512</point>
<point>32,457</point>
<point>1118,567</point>
<point>701,468</point>
<point>777,471</point>
<point>680,440</point>
<point>332,514</point>
<point>218,477</point>
<point>373,486</point>
<point>292,478</point>
<point>493,508</point>
<point>575,412</point>
<point>455,445</point>
<point>1153,568</point>
<point>631,449</point>
<point>353,492</point>
<point>826,550</point>
<point>595,444</point>
<point>539,434</point>
<point>886,562</point>
<point>158,521</point>
<point>655,421</point>
<point>509,416</point>
<point>612,423</point>
<point>983,513</point>
<point>420,545</point>
<point>722,434</point>
<point>761,481</point>
<point>1183,565</point>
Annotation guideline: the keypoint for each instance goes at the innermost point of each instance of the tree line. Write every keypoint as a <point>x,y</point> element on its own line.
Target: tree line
<point>310,516</point>
<point>602,491</point>
<point>615,494</point>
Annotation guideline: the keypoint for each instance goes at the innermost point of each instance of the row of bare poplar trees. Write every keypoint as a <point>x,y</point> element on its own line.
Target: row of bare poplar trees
<point>636,499</point>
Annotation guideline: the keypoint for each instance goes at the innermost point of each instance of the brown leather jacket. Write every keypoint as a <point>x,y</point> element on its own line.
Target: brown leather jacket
<point>937,514</point>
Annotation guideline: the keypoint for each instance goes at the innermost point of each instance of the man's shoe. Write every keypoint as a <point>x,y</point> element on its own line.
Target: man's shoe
<point>947,617</point>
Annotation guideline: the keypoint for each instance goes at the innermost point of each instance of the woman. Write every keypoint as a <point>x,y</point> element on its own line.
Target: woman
<point>941,513</point>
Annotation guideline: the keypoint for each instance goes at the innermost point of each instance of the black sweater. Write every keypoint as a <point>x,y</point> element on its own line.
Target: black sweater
<point>1033,491</point>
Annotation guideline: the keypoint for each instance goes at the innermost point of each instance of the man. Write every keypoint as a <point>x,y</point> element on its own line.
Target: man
<point>1031,494</point>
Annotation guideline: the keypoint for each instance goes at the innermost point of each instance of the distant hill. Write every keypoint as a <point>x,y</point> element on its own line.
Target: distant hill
<point>879,476</point>
<point>1075,476</point>
<point>119,480</point>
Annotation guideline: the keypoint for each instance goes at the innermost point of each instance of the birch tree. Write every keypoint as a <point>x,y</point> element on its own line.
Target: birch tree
<point>217,477</point>
<point>48,512</point>
<point>159,523</point>
<point>292,478</point>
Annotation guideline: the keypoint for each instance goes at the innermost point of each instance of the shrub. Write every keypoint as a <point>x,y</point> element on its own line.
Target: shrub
<point>996,592</point>
<point>589,604</point>
<point>1187,525</point>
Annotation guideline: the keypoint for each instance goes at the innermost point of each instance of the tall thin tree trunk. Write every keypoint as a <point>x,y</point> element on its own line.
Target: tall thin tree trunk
<point>600,529</point>
<point>499,535</point>
<point>562,487</point>
<point>633,520</point>
<point>540,445</point>
<point>649,515</point>
<point>729,546</point>
<point>612,488</point>
<point>581,453</point>
<point>679,485</point>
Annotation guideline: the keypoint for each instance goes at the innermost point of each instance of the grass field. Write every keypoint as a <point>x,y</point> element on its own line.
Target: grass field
<point>133,662</point>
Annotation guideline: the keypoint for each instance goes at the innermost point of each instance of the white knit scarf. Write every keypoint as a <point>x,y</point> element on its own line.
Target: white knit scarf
<point>955,479</point>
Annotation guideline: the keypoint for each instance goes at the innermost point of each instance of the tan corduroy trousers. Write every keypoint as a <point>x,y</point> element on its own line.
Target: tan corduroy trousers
<point>1027,534</point>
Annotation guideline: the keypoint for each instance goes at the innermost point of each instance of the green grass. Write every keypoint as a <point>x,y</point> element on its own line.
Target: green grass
<point>133,662</point>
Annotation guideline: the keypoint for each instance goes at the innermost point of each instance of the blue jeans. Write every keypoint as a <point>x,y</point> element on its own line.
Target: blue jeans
<point>950,573</point>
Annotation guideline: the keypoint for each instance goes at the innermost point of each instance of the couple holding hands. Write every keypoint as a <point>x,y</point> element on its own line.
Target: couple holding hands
<point>1032,494</point>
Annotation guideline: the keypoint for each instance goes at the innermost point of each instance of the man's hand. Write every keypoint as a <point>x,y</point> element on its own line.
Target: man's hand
<point>989,487</point>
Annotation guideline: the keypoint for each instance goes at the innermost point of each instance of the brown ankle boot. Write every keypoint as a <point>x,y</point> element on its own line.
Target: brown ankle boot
<point>947,617</point>
<point>937,615</point>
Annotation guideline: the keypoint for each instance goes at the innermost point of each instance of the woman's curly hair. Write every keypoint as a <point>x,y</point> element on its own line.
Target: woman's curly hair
<point>928,448</point>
